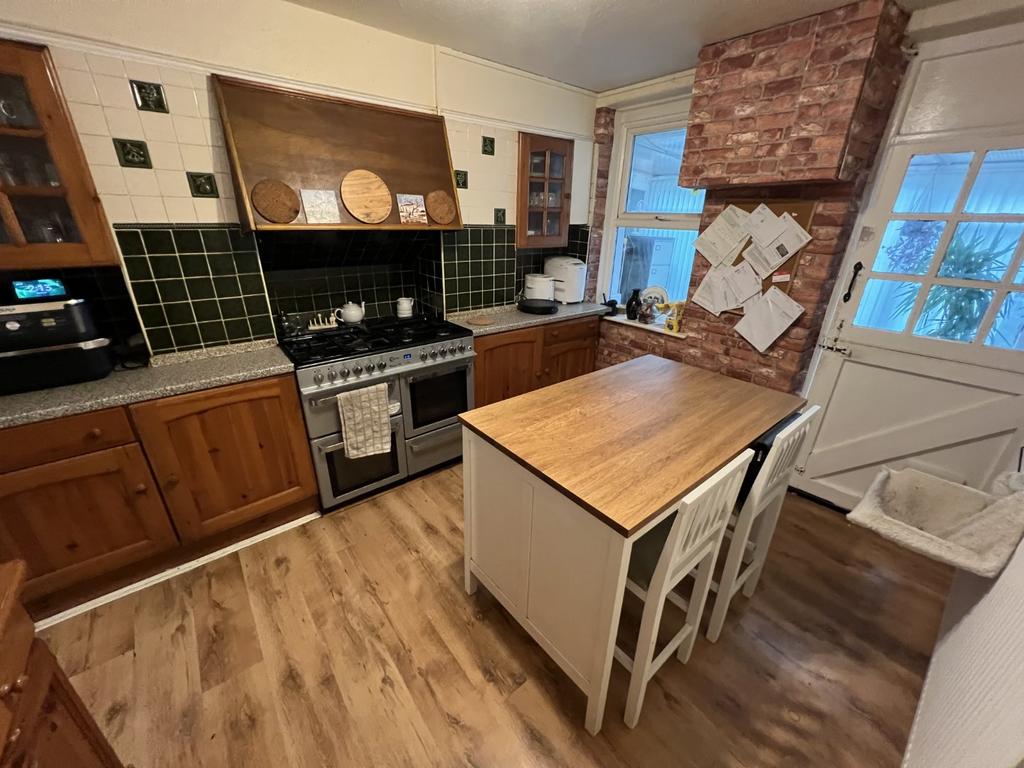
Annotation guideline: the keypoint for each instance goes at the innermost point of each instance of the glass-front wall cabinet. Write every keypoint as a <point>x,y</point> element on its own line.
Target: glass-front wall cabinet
<point>545,183</point>
<point>50,215</point>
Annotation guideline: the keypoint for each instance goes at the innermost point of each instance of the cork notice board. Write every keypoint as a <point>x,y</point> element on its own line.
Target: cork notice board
<point>802,212</point>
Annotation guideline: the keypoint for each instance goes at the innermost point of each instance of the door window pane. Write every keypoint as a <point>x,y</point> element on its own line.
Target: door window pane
<point>15,108</point>
<point>536,194</point>
<point>537,163</point>
<point>557,168</point>
<point>654,176</point>
<point>554,223</point>
<point>45,219</point>
<point>932,183</point>
<point>998,188</point>
<point>953,313</point>
<point>554,194</point>
<point>645,257</point>
<point>886,304</point>
<point>1008,329</point>
<point>908,247</point>
<point>981,250</point>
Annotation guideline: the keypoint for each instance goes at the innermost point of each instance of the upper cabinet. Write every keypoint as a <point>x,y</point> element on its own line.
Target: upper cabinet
<point>545,191</point>
<point>308,161</point>
<point>50,214</point>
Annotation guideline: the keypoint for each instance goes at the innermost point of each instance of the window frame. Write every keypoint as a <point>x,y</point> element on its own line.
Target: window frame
<point>869,243</point>
<point>672,114</point>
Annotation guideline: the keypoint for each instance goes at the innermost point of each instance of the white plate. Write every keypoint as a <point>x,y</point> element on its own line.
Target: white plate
<point>657,292</point>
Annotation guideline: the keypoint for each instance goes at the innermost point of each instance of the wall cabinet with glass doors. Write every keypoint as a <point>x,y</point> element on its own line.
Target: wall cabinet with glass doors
<point>545,184</point>
<point>50,214</point>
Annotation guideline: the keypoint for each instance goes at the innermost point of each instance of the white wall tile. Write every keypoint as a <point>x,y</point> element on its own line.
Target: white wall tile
<point>228,211</point>
<point>141,181</point>
<point>180,210</point>
<point>224,185</point>
<point>118,208</point>
<point>214,132</point>
<point>181,101</point>
<point>105,65</point>
<point>99,150</point>
<point>207,104</point>
<point>68,59</point>
<point>149,210</point>
<point>140,70</point>
<point>165,155</point>
<point>173,76</point>
<point>196,157</point>
<point>113,91</point>
<point>200,81</point>
<point>220,160</point>
<point>173,184</point>
<point>189,130</point>
<point>157,126</point>
<point>123,123</point>
<point>109,180</point>
<point>78,86</point>
<point>208,209</point>
<point>88,118</point>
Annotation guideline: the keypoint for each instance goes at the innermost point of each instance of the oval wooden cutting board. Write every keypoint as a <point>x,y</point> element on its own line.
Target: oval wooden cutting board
<point>441,207</point>
<point>275,201</point>
<point>366,196</point>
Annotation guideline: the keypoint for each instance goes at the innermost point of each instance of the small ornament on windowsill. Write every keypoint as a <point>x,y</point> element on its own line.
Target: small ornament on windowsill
<point>645,313</point>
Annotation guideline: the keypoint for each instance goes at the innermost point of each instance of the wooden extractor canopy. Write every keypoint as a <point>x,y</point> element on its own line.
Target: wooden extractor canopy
<point>280,139</point>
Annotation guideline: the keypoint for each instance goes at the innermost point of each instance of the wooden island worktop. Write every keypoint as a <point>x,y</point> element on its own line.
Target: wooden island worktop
<point>560,482</point>
<point>627,442</point>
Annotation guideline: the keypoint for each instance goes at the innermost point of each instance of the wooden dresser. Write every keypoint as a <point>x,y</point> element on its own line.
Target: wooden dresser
<point>43,723</point>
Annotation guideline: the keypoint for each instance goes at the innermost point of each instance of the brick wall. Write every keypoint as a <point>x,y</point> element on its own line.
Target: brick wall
<point>710,341</point>
<point>796,102</point>
<point>604,129</point>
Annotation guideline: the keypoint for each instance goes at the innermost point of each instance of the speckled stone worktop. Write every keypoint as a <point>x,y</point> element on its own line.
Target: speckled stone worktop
<point>508,318</point>
<point>187,372</point>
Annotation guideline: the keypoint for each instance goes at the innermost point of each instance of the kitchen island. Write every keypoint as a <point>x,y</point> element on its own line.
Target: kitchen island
<point>559,483</point>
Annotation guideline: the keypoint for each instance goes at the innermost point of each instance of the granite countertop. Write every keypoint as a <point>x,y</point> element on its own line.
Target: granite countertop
<point>175,375</point>
<point>508,318</point>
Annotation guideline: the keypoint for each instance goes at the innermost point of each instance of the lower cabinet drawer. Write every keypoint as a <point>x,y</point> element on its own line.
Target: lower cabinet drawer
<point>46,441</point>
<point>433,448</point>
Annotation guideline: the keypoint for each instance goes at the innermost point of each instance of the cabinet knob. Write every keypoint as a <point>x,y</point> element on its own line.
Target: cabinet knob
<point>556,333</point>
<point>141,488</point>
<point>95,433</point>
<point>5,690</point>
<point>172,480</point>
<point>15,735</point>
<point>538,374</point>
<point>547,370</point>
<point>20,683</point>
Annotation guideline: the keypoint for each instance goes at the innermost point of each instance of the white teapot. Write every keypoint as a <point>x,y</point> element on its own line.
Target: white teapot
<point>351,312</point>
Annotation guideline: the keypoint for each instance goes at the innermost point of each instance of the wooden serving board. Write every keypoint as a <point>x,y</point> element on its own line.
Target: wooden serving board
<point>441,207</point>
<point>275,201</point>
<point>366,196</point>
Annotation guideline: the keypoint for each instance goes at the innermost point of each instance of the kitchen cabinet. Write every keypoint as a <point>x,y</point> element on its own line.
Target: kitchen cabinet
<point>81,517</point>
<point>226,456</point>
<point>515,362</point>
<point>50,213</point>
<point>43,722</point>
<point>544,191</point>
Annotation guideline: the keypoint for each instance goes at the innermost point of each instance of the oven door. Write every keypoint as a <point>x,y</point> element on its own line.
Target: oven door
<point>435,396</point>
<point>321,405</point>
<point>341,479</point>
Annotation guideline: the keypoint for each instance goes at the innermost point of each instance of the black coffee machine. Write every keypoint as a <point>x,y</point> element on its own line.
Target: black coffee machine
<point>47,339</point>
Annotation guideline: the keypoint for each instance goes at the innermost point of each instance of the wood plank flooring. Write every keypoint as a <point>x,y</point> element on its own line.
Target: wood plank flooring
<point>350,642</point>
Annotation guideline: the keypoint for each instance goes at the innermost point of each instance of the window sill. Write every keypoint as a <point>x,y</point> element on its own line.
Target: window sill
<point>658,326</point>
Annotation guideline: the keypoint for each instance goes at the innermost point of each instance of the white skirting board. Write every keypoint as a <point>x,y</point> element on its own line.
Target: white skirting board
<point>177,570</point>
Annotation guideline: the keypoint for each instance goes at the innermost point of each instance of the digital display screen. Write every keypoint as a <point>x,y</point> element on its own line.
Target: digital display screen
<point>407,356</point>
<point>38,289</point>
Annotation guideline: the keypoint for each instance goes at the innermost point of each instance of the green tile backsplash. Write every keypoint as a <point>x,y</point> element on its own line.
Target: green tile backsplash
<point>195,286</point>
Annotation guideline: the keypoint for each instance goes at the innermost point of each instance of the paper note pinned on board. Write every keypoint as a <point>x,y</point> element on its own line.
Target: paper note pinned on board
<point>742,281</point>
<point>710,294</point>
<point>768,318</point>
<point>765,259</point>
<point>724,237</point>
<point>763,225</point>
<point>781,277</point>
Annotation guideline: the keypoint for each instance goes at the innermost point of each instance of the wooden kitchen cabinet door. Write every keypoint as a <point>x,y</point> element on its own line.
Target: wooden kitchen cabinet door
<point>78,518</point>
<point>507,364</point>
<point>570,350</point>
<point>226,456</point>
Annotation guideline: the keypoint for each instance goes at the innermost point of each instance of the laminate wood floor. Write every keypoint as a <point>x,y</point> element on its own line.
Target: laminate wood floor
<point>350,642</point>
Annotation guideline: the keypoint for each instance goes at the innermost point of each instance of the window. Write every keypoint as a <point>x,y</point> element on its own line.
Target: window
<point>656,220</point>
<point>948,265</point>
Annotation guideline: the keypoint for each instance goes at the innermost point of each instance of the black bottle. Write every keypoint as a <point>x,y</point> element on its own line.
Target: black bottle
<point>633,305</point>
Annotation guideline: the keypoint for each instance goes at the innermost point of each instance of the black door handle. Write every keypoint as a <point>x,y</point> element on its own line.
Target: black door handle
<point>853,279</point>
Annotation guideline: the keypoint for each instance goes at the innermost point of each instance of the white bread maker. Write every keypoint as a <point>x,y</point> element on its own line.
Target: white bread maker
<point>571,276</point>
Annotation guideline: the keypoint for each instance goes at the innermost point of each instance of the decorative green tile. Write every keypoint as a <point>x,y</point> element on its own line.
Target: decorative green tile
<point>132,153</point>
<point>145,291</point>
<point>149,97</point>
<point>158,241</point>
<point>130,242</point>
<point>179,313</point>
<point>462,179</point>
<point>216,241</point>
<point>188,241</point>
<point>185,336</point>
<point>487,145</point>
<point>152,315</point>
<point>206,310</point>
<point>165,266</point>
<point>160,339</point>
<point>202,184</point>
<point>172,290</point>
<point>499,217</point>
<point>212,332</point>
<point>138,268</point>
<point>238,330</point>
<point>232,308</point>
<point>194,264</point>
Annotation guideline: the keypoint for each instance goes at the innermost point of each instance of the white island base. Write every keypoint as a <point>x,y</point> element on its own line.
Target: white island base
<point>553,565</point>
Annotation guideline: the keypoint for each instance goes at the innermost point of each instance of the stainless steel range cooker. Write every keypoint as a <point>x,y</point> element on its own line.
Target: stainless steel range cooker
<point>427,364</point>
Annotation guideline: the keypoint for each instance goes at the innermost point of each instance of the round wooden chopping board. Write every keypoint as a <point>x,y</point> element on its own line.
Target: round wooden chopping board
<point>441,207</point>
<point>275,201</point>
<point>366,196</point>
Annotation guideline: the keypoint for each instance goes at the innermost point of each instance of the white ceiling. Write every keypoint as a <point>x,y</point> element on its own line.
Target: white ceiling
<point>594,44</point>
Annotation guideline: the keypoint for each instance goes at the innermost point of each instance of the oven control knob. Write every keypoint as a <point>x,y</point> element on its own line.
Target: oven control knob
<point>433,354</point>
<point>357,369</point>
<point>451,350</point>
<point>423,356</point>
<point>332,374</point>
<point>344,373</point>
<point>318,378</point>
<point>381,365</point>
<point>444,352</point>
<point>462,347</point>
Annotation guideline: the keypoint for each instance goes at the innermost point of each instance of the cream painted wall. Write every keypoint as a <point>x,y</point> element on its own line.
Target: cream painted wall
<point>98,44</point>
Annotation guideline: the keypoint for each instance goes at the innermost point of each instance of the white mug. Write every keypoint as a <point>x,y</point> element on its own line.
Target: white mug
<point>403,306</point>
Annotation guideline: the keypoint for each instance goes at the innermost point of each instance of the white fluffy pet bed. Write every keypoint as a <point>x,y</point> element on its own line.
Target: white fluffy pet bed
<point>952,523</point>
